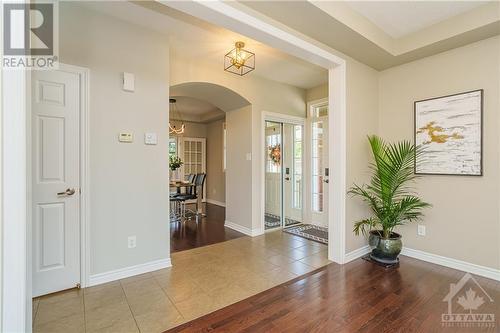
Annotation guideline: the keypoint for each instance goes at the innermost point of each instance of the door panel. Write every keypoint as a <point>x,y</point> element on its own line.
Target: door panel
<point>51,131</point>
<point>50,231</point>
<point>56,161</point>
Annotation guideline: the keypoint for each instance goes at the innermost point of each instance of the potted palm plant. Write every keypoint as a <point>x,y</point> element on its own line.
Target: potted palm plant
<point>390,196</point>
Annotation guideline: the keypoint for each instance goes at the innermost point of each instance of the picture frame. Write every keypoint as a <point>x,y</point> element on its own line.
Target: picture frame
<point>450,131</point>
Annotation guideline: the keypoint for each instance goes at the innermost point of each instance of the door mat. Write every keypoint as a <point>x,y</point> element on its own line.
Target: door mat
<point>310,231</point>
<point>272,221</point>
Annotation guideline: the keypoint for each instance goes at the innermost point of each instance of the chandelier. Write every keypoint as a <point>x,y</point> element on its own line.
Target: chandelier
<point>239,61</point>
<point>172,129</point>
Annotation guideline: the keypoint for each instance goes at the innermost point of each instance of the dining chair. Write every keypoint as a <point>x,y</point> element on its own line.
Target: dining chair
<point>177,203</point>
<point>199,183</point>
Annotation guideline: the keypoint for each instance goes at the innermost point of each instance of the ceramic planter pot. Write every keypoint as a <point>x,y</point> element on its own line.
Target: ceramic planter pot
<point>385,250</point>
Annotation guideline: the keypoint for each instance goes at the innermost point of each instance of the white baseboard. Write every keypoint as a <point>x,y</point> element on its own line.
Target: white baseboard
<point>460,265</point>
<point>244,230</point>
<point>215,202</point>
<point>126,272</point>
<point>357,253</point>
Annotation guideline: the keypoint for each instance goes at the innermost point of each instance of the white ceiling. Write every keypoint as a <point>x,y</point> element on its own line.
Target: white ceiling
<point>221,97</point>
<point>400,18</point>
<point>195,39</point>
<point>195,110</point>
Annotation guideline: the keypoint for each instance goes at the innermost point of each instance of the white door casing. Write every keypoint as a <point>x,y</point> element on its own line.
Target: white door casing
<point>55,107</point>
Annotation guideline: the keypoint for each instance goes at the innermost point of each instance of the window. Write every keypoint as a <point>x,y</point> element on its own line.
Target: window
<point>297,167</point>
<point>224,147</point>
<point>317,166</point>
<point>319,116</point>
<point>172,147</point>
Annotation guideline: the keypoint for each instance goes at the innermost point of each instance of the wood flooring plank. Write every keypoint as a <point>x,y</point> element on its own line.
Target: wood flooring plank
<point>356,297</point>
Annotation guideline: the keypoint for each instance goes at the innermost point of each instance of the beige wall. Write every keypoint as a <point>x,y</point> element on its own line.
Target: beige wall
<point>212,132</point>
<point>382,103</point>
<point>128,182</point>
<point>464,223</point>
<point>263,95</point>
<point>193,130</point>
<point>216,177</point>
<point>362,120</point>
<point>316,93</point>
<point>239,169</point>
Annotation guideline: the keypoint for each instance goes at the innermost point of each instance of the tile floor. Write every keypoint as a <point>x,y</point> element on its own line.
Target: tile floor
<point>201,280</point>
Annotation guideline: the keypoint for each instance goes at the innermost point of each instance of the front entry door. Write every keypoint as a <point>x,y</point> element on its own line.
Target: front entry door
<point>56,180</point>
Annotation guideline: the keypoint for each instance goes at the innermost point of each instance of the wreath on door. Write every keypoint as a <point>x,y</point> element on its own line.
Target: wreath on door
<point>275,153</point>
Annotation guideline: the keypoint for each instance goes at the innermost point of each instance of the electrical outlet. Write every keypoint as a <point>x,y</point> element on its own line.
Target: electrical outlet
<point>421,230</point>
<point>214,191</point>
<point>132,242</point>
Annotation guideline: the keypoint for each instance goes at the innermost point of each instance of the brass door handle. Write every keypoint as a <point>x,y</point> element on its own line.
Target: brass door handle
<point>68,192</point>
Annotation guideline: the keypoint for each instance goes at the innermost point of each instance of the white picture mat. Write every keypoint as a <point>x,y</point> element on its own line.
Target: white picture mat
<point>449,129</point>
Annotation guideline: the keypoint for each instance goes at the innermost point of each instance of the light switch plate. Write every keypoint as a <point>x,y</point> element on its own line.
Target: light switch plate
<point>249,156</point>
<point>128,82</point>
<point>131,242</point>
<point>126,137</point>
<point>150,138</point>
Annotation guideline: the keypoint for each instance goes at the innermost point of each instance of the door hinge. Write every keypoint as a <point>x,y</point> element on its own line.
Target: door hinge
<point>78,286</point>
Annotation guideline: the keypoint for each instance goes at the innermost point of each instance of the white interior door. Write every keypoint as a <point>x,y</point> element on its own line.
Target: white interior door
<point>319,164</point>
<point>193,152</point>
<point>56,180</point>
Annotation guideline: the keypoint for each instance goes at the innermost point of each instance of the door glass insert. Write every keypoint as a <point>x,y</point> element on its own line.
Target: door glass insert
<point>319,162</point>
<point>273,166</point>
<point>292,178</point>
<point>317,166</point>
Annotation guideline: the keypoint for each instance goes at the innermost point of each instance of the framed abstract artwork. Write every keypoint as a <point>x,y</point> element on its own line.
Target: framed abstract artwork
<point>449,129</point>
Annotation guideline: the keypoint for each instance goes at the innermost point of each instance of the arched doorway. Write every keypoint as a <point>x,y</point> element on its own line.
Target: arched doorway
<point>217,130</point>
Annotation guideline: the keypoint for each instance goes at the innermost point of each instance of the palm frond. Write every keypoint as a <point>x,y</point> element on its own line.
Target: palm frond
<point>364,226</point>
<point>390,193</point>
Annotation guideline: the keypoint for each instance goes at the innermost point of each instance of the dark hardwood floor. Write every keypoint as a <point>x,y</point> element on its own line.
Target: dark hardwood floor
<point>210,230</point>
<point>356,297</point>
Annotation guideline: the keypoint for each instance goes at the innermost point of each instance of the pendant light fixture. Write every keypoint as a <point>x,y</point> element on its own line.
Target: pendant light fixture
<point>172,129</point>
<point>239,61</point>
